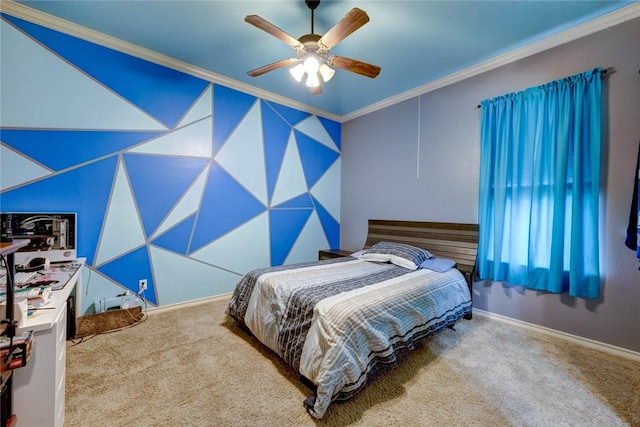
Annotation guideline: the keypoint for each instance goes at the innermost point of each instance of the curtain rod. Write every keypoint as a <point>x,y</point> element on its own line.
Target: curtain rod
<point>603,72</point>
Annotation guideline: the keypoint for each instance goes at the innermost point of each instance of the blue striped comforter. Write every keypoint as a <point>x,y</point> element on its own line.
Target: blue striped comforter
<point>334,320</point>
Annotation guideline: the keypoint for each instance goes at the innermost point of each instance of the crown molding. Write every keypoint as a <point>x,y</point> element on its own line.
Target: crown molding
<point>75,30</point>
<point>582,30</point>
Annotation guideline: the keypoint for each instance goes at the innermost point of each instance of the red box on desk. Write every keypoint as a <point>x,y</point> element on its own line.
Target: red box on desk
<point>20,350</point>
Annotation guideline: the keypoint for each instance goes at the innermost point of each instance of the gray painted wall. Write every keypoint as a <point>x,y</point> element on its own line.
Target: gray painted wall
<point>396,166</point>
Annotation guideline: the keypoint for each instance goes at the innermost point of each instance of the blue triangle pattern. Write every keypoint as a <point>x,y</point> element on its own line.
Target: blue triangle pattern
<point>330,226</point>
<point>316,158</point>
<point>230,107</point>
<point>302,201</point>
<point>285,226</point>
<point>86,189</point>
<point>291,115</point>
<point>225,206</point>
<point>176,239</point>
<point>163,92</point>
<point>333,129</point>
<point>158,182</point>
<point>129,268</point>
<point>276,136</point>
<point>59,150</point>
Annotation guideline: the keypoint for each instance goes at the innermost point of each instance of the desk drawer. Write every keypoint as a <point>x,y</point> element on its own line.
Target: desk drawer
<point>60,331</point>
<point>59,400</point>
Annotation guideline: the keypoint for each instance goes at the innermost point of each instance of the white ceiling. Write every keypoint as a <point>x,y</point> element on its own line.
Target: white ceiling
<point>417,43</point>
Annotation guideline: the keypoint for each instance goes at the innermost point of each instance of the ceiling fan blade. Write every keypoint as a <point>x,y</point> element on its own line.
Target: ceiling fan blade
<point>353,20</point>
<point>267,26</point>
<point>354,66</point>
<point>273,66</point>
<point>316,90</point>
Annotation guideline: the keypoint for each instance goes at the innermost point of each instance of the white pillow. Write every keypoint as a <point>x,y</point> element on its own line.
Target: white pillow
<point>359,253</point>
<point>400,254</point>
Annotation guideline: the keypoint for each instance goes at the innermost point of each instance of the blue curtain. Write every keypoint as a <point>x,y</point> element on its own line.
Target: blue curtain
<point>539,186</point>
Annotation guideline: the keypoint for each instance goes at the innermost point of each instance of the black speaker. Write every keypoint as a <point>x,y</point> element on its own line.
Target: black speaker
<point>71,318</point>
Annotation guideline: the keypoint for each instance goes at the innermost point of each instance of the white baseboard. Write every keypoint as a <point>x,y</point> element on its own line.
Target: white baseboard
<point>597,345</point>
<point>156,310</point>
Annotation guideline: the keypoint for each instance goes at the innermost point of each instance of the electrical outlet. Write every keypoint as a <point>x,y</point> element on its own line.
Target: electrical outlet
<point>142,285</point>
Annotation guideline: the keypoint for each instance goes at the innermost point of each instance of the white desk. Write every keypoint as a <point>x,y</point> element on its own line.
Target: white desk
<point>39,387</point>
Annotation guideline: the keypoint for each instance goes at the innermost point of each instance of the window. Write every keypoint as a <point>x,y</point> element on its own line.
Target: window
<point>539,186</point>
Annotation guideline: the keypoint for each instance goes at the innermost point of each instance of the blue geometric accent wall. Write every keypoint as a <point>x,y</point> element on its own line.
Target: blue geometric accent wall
<point>175,179</point>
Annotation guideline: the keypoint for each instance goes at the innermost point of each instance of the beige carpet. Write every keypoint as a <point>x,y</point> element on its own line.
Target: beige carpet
<point>193,366</point>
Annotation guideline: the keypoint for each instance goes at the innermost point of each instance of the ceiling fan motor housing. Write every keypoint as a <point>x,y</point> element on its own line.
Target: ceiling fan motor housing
<point>312,4</point>
<point>314,46</point>
<point>309,44</point>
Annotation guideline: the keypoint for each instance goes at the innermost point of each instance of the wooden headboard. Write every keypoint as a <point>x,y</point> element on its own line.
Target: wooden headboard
<point>455,241</point>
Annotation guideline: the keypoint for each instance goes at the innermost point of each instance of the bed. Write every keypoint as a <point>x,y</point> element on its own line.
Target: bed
<point>338,321</point>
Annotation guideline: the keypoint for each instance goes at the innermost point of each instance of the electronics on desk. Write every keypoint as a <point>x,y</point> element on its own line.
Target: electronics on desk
<point>34,264</point>
<point>51,235</point>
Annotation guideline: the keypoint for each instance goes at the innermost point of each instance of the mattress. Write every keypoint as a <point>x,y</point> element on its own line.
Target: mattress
<point>335,320</point>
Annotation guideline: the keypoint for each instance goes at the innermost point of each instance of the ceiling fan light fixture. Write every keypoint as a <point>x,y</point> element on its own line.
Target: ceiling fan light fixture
<point>326,72</point>
<point>297,72</point>
<point>311,64</point>
<point>314,70</point>
<point>313,80</point>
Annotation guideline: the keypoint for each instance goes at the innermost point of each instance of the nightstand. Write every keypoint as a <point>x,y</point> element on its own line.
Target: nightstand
<point>333,253</point>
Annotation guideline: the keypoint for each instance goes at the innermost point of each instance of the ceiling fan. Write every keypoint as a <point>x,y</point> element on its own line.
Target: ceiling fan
<point>312,50</point>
